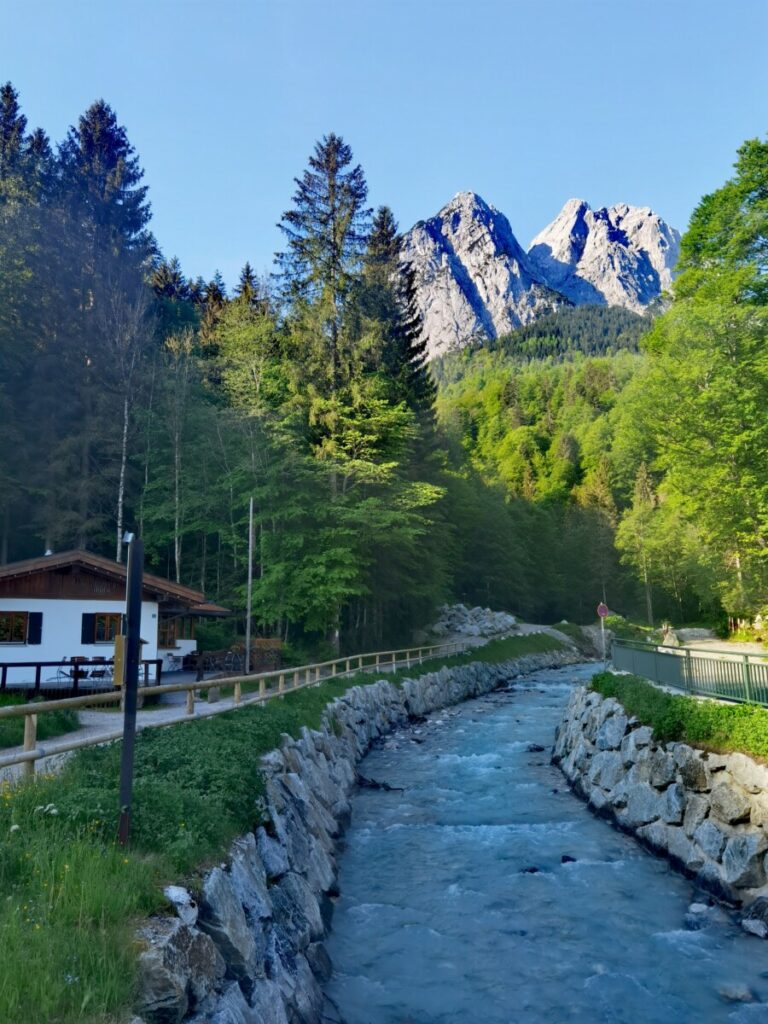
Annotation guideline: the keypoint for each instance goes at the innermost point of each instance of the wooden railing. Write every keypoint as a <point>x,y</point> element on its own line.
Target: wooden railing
<point>253,689</point>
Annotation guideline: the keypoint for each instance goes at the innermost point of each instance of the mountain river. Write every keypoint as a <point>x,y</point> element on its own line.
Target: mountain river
<point>442,919</point>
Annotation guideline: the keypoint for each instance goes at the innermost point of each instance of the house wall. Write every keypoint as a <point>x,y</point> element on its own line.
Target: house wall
<point>62,630</point>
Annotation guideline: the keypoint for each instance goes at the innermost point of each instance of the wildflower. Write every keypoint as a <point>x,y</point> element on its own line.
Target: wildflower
<point>15,828</point>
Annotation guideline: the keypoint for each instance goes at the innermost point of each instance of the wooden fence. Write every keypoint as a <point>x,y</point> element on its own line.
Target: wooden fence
<point>253,689</point>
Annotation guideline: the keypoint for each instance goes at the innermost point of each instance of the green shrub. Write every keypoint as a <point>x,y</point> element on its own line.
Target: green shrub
<point>702,723</point>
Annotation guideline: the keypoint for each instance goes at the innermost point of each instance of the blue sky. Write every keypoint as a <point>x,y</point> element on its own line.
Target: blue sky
<point>527,103</point>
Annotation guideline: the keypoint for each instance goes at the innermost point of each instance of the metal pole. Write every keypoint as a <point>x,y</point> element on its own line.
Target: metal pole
<point>250,591</point>
<point>133,590</point>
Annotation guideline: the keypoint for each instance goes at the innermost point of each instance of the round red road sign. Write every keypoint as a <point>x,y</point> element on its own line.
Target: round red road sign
<point>602,610</point>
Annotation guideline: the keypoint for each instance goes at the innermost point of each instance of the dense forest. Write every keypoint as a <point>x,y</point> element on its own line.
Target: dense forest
<point>564,463</point>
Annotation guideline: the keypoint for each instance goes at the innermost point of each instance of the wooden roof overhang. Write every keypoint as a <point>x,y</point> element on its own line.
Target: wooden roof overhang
<point>171,597</point>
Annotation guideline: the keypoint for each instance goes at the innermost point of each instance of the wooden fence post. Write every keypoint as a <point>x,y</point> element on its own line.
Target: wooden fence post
<point>30,741</point>
<point>281,683</point>
<point>238,696</point>
<point>190,702</point>
<point>295,679</point>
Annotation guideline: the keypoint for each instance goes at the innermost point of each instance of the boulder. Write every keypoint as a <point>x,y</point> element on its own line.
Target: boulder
<point>673,804</point>
<point>249,879</point>
<point>222,917</point>
<point>232,1008</point>
<point>696,810</point>
<point>693,772</point>
<point>711,838</point>
<point>634,741</point>
<point>611,732</point>
<point>296,910</point>
<point>683,851</point>
<point>662,769</point>
<point>743,859</point>
<point>177,970</point>
<point>606,769</point>
<point>759,813</point>
<point>183,903</point>
<point>644,805</point>
<point>273,854</point>
<point>747,773</point>
<point>756,918</point>
<point>730,803</point>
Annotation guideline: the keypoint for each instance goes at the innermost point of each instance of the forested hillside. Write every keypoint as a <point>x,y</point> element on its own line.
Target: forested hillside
<point>557,468</point>
<point>666,449</point>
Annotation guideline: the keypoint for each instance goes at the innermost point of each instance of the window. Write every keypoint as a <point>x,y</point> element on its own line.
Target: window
<point>166,633</point>
<point>13,627</point>
<point>171,630</point>
<point>106,627</point>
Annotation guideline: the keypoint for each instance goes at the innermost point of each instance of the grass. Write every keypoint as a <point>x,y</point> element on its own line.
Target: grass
<point>702,723</point>
<point>53,723</point>
<point>73,898</point>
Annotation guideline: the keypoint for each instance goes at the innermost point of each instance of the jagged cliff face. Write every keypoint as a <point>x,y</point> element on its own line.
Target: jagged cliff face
<point>475,280</point>
<point>617,256</point>
<point>472,276</point>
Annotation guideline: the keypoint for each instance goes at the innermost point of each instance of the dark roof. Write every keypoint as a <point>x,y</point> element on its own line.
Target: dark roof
<point>195,599</point>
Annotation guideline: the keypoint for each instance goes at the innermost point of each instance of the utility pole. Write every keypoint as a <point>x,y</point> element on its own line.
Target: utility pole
<point>250,591</point>
<point>133,588</point>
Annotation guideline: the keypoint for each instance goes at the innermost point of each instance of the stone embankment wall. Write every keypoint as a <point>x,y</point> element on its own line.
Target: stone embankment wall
<point>247,949</point>
<point>708,813</point>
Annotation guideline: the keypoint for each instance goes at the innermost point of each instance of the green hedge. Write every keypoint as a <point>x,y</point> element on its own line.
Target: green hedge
<point>702,723</point>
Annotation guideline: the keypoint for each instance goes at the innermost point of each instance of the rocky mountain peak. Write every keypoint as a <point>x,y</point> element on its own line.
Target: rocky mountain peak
<point>473,277</point>
<point>619,255</point>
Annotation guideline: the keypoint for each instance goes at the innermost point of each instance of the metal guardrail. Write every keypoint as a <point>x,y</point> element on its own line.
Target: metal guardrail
<point>253,689</point>
<point>703,672</point>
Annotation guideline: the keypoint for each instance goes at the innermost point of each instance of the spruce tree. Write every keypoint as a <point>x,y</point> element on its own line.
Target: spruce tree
<point>326,232</point>
<point>327,229</point>
<point>13,125</point>
<point>101,178</point>
<point>383,248</point>
<point>406,352</point>
<point>247,285</point>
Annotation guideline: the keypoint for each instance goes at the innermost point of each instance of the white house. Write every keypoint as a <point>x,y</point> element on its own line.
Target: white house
<point>70,605</point>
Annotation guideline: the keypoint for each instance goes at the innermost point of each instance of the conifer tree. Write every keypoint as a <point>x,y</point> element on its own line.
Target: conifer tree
<point>326,232</point>
<point>13,125</point>
<point>101,177</point>
<point>247,285</point>
<point>406,351</point>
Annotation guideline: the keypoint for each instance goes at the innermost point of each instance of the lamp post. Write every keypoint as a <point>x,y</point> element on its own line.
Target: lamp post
<point>133,588</point>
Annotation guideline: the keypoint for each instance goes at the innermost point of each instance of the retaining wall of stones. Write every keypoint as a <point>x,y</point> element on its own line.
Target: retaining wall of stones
<point>248,949</point>
<point>706,812</point>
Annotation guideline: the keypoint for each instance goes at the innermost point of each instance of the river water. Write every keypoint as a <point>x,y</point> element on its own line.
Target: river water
<point>441,921</point>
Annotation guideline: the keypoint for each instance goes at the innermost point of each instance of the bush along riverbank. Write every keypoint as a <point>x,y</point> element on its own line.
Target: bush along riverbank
<point>247,947</point>
<point>706,810</point>
<point>74,899</point>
